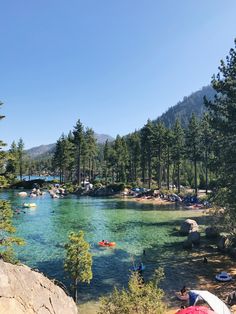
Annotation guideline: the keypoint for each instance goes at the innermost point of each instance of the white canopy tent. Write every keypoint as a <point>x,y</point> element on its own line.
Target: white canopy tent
<point>213,301</point>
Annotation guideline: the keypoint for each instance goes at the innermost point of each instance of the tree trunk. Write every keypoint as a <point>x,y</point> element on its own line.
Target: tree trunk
<point>149,173</point>
<point>159,169</point>
<point>178,177</point>
<point>135,172</point>
<point>195,176</point>
<point>89,165</point>
<point>168,170</point>
<point>106,172</point>
<point>75,292</point>
<point>78,167</point>
<point>206,165</point>
<point>143,172</point>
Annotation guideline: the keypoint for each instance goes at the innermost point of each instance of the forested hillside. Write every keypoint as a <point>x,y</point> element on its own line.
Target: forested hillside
<point>45,151</point>
<point>185,108</point>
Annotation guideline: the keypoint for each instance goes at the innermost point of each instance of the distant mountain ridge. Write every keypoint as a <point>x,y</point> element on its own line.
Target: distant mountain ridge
<point>43,151</point>
<point>40,150</point>
<point>184,109</point>
<point>193,103</point>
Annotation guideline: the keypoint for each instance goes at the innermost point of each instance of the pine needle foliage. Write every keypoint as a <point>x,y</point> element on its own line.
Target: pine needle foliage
<point>140,297</point>
<point>78,262</point>
<point>7,241</point>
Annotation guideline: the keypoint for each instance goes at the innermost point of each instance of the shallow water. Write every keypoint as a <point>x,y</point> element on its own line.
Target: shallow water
<point>132,225</point>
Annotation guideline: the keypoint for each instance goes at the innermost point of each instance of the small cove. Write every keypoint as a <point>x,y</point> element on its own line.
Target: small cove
<point>134,226</point>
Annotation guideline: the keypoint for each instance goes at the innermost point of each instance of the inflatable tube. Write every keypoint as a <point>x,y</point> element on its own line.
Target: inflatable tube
<point>28,205</point>
<point>182,297</point>
<point>223,276</point>
<point>101,243</point>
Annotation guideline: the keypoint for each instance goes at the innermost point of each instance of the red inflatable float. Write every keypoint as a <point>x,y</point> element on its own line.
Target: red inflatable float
<point>106,243</point>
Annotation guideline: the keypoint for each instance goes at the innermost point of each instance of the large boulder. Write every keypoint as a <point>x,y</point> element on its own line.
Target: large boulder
<point>194,237</point>
<point>189,225</point>
<point>24,291</point>
<point>187,244</point>
<point>224,243</point>
<point>22,194</point>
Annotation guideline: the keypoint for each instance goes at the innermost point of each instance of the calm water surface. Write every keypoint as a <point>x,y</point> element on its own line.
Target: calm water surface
<point>133,226</point>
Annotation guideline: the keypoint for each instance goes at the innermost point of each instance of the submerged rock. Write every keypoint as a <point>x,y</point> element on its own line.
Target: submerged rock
<point>212,232</point>
<point>24,291</point>
<point>187,244</point>
<point>194,237</point>
<point>224,243</point>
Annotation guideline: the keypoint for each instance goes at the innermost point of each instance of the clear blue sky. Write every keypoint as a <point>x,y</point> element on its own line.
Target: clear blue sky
<point>111,63</point>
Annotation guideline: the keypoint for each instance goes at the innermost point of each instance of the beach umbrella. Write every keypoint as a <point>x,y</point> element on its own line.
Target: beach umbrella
<point>196,310</point>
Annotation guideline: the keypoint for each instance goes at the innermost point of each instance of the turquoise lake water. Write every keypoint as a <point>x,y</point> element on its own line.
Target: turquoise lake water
<point>133,226</point>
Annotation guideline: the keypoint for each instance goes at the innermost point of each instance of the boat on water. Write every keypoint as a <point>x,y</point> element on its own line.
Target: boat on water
<point>106,243</point>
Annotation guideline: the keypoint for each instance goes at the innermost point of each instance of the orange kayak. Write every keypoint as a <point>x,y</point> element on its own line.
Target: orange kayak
<point>101,243</point>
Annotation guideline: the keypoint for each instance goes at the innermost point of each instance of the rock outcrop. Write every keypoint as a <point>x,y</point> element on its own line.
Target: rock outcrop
<point>24,291</point>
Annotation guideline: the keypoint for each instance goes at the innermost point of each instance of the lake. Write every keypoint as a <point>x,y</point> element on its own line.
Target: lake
<point>134,226</point>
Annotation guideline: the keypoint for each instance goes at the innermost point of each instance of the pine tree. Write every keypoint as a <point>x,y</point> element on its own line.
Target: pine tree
<point>193,146</point>
<point>106,160</point>
<point>3,181</point>
<point>20,150</point>
<point>222,111</point>
<point>178,148</point>
<point>78,140</point>
<point>134,151</point>
<point>147,138</point>
<point>12,166</point>
<point>7,241</point>
<point>140,297</point>
<point>78,262</point>
<point>168,140</point>
<point>158,145</point>
<point>121,159</point>
<point>207,142</point>
<point>91,150</point>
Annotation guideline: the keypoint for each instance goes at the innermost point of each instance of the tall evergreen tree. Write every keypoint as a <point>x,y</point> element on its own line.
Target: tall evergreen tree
<point>3,181</point>
<point>178,148</point>
<point>20,149</point>
<point>121,158</point>
<point>147,138</point>
<point>159,143</point>
<point>222,111</point>
<point>193,146</point>
<point>134,150</point>
<point>91,151</point>
<point>207,142</point>
<point>168,141</point>
<point>106,160</point>
<point>78,140</point>
<point>13,160</point>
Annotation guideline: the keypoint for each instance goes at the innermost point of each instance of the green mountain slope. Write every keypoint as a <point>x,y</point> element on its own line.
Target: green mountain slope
<point>44,151</point>
<point>184,109</point>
